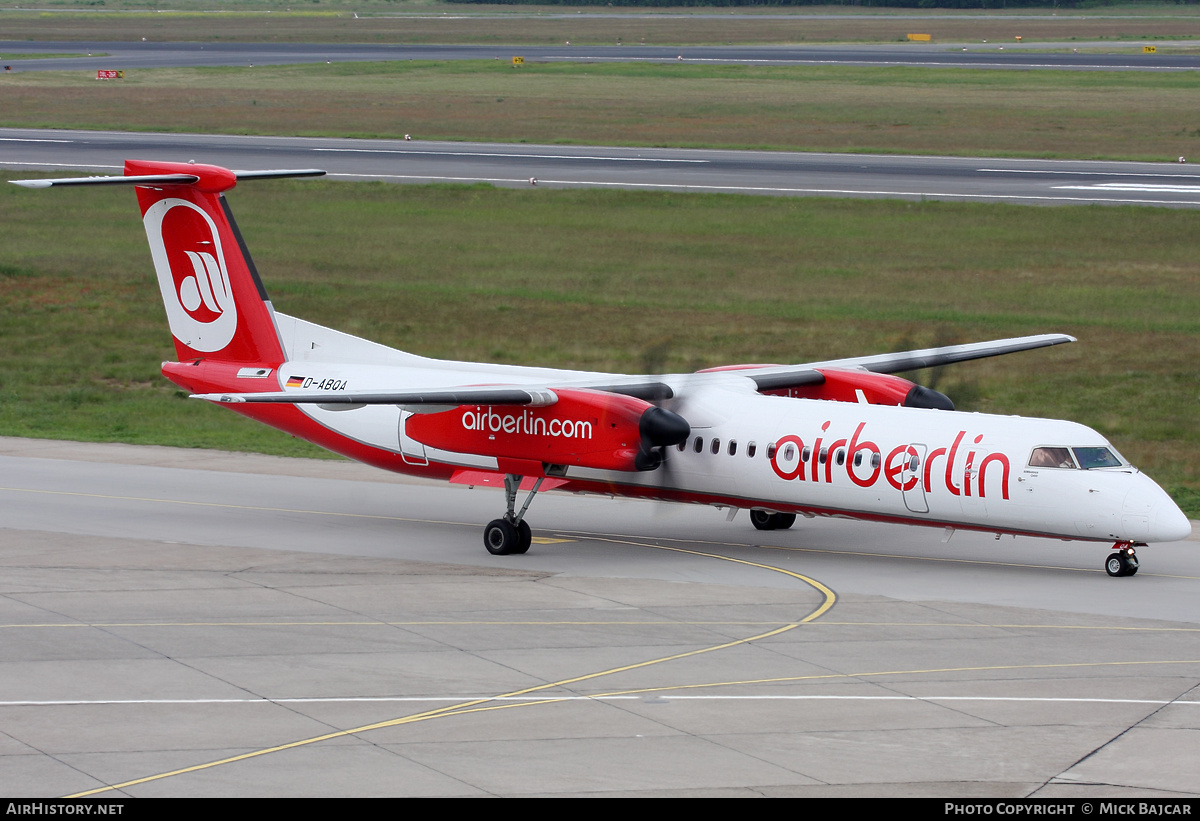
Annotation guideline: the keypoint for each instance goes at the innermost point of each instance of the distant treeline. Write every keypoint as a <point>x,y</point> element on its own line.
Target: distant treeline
<point>907,4</point>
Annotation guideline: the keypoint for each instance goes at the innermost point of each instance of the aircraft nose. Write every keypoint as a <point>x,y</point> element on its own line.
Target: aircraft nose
<point>1150,515</point>
<point>1168,523</point>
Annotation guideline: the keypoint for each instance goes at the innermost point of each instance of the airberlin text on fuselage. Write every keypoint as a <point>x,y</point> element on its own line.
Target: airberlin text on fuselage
<point>963,469</point>
<point>525,422</point>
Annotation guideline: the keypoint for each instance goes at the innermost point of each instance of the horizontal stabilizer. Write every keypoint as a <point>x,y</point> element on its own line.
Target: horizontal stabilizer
<point>143,179</point>
<point>164,179</point>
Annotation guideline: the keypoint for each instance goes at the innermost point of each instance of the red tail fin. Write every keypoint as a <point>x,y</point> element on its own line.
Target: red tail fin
<point>216,305</point>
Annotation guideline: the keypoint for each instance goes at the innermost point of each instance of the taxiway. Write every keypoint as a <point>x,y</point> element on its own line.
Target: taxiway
<point>199,623</point>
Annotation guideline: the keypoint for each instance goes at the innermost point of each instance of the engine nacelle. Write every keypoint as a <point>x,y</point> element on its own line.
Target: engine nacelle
<point>876,389</point>
<point>583,428</point>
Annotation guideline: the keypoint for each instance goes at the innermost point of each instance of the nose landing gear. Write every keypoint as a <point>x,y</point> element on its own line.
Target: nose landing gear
<point>1122,561</point>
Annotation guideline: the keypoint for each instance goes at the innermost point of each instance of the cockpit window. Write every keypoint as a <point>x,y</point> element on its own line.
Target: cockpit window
<point>1052,458</point>
<point>1090,458</point>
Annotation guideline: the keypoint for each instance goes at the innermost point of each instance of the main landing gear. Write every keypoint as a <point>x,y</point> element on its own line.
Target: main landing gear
<point>765,520</point>
<point>511,534</point>
<point>1122,561</point>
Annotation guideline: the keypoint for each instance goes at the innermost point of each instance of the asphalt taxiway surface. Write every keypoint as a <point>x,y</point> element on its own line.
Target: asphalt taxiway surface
<point>135,55</point>
<point>970,179</point>
<point>200,623</point>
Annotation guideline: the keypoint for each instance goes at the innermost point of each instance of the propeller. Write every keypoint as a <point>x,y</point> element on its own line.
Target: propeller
<point>659,429</point>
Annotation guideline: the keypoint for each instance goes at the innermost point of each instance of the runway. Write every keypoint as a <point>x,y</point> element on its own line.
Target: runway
<point>200,623</point>
<point>769,173</point>
<point>1060,56</point>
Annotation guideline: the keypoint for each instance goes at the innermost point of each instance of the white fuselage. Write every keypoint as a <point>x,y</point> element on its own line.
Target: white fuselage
<point>891,463</point>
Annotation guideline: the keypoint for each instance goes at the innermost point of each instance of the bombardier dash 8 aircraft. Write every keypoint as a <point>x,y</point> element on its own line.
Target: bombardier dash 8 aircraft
<point>837,438</point>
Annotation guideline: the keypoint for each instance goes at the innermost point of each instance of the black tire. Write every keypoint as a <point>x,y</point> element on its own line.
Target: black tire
<point>500,537</point>
<point>784,520</point>
<point>524,538</point>
<point>762,520</point>
<point>1117,564</point>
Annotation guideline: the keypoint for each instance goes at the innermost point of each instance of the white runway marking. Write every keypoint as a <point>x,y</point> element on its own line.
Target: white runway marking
<point>1086,173</point>
<point>844,192</point>
<point>1149,188</point>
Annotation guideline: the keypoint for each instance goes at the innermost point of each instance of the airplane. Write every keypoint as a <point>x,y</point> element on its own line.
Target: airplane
<point>842,438</point>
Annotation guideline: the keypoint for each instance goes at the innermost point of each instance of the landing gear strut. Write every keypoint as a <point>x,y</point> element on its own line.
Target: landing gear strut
<point>511,534</point>
<point>764,520</point>
<point>1122,561</point>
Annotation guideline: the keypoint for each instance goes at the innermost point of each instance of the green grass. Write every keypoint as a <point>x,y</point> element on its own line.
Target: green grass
<point>607,280</point>
<point>1110,115</point>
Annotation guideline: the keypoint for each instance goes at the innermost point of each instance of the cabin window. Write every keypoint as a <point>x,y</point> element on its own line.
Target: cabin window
<point>733,447</point>
<point>716,446</point>
<point>682,446</point>
<point>913,464</point>
<point>823,457</point>
<point>789,452</point>
<point>841,457</point>
<point>1091,458</point>
<point>751,449</point>
<point>699,444</point>
<point>771,450</point>
<point>858,459</point>
<point>1049,457</point>
<point>876,460</point>
<point>805,455</point>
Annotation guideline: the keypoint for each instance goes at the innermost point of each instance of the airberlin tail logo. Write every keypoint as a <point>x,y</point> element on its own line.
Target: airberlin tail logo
<point>192,274</point>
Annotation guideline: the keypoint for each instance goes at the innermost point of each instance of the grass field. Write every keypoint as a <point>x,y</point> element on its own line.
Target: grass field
<point>1113,115</point>
<point>612,280</point>
<point>427,22</point>
<point>608,280</point>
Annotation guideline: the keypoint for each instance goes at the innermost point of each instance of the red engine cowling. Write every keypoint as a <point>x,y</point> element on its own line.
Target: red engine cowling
<point>876,388</point>
<point>584,428</point>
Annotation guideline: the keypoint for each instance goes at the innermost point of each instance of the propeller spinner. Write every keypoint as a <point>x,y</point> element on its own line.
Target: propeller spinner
<point>659,429</point>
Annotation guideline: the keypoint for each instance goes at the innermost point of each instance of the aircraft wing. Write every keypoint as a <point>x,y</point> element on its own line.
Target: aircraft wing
<point>775,377</point>
<point>500,395</point>
<point>538,397</point>
<point>767,377</point>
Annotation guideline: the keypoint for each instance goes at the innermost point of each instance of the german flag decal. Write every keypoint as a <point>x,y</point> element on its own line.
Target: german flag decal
<point>295,382</point>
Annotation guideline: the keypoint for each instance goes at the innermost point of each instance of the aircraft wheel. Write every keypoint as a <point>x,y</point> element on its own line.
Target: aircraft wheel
<point>1121,564</point>
<point>500,537</point>
<point>762,520</point>
<point>784,520</point>
<point>524,538</point>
